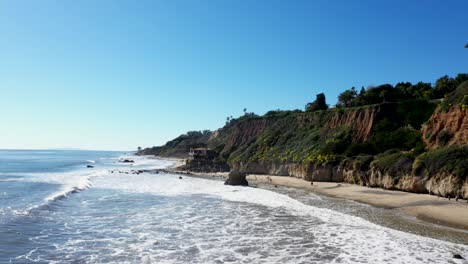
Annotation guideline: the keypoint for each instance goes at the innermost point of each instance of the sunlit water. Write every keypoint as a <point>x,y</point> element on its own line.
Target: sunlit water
<point>55,210</point>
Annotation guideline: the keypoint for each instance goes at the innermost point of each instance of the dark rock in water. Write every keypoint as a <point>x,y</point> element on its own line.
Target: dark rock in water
<point>180,178</point>
<point>236,178</point>
<point>457,256</point>
<point>89,166</point>
<point>127,161</point>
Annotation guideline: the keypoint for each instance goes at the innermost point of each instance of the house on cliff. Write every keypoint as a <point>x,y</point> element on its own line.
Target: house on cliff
<point>201,154</point>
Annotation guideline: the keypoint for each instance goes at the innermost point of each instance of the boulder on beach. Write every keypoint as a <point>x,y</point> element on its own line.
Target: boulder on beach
<point>236,178</point>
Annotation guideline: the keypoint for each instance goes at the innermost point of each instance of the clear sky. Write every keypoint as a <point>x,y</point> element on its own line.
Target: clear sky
<point>121,74</point>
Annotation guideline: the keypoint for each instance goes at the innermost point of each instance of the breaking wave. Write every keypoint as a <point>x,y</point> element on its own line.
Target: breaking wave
<point>82,184</point>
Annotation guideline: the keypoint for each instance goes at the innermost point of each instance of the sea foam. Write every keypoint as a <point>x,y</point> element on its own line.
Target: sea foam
<point>359,239</point>
<point>213,223</point>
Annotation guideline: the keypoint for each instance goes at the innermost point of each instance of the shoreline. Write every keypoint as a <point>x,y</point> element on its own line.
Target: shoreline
<point>424,207</point>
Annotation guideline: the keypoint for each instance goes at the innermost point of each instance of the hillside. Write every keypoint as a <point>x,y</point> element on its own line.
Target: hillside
<point>415,145</point>
<point>180,146</point>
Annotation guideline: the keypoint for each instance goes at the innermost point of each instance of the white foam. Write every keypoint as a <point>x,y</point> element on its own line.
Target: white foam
<point>81,179</point>
<point>147,162</point>
<point>81,184</point>
<point>359,239</point>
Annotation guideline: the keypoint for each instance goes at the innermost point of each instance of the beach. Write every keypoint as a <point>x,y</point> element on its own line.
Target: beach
<point>424,207</point>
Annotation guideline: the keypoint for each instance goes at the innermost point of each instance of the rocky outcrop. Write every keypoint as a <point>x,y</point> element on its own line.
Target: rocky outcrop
<point>412,184</point>
<point>446,128</point>
<point>446,185</point>
<point>237,177</point>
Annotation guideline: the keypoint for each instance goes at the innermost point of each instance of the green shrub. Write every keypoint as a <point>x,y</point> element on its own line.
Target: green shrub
<point>360,148</point>
<point>458,96</point>
<point>405,138</point>
<point>387,159</point>
<point>362,162</point>
<point>394,162</point>
<point>334,147</point>
<point>464,104</point>
<point>445,105</point>
<point>453,160</point>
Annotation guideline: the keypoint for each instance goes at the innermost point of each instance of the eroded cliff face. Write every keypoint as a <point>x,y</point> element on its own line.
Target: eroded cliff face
<point>239,136</point>
<point>441,184</point>
<point>294,143</point>
<point>360,121</point>
<point>307,172</point>
<point>446,128</point>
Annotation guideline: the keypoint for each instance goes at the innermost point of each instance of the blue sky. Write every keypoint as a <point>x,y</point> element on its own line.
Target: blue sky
<point>121,74</point>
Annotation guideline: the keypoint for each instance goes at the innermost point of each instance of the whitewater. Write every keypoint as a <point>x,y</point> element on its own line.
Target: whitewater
<point>55,209</point>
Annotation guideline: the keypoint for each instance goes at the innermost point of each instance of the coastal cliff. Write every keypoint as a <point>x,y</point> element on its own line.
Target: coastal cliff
<point>413,145</point>
<point>446,128</point>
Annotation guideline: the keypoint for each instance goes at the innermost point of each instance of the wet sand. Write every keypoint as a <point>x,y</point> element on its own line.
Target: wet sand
<point>425,207</point>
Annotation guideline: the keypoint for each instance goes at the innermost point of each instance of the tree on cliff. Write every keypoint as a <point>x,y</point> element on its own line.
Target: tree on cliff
<point>346,98</point>
<point>319,104</point>
<point>444,85</point>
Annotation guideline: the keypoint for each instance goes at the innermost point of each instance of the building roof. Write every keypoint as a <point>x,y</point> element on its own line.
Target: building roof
<point>200,149</point>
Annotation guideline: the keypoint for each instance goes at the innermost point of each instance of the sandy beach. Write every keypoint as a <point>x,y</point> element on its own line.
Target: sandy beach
<point>425,207</point>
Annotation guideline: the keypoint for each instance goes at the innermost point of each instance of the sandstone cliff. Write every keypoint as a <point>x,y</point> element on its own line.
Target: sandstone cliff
<point>380,145</point>
<point>446,128</point>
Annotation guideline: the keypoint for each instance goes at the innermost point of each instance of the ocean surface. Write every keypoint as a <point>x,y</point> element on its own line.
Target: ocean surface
<point>53,209</point>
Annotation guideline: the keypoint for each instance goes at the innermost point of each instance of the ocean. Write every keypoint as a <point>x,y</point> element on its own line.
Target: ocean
<point>54,209</point>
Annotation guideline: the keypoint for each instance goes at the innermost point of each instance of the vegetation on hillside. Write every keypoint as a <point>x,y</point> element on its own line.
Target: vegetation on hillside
<point>180,146</point>
<point>393,145</point>
<point>402,91</point>
<point>451,160</point>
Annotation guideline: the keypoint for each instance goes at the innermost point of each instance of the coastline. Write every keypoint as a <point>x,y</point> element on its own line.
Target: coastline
<point>424,207</point>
